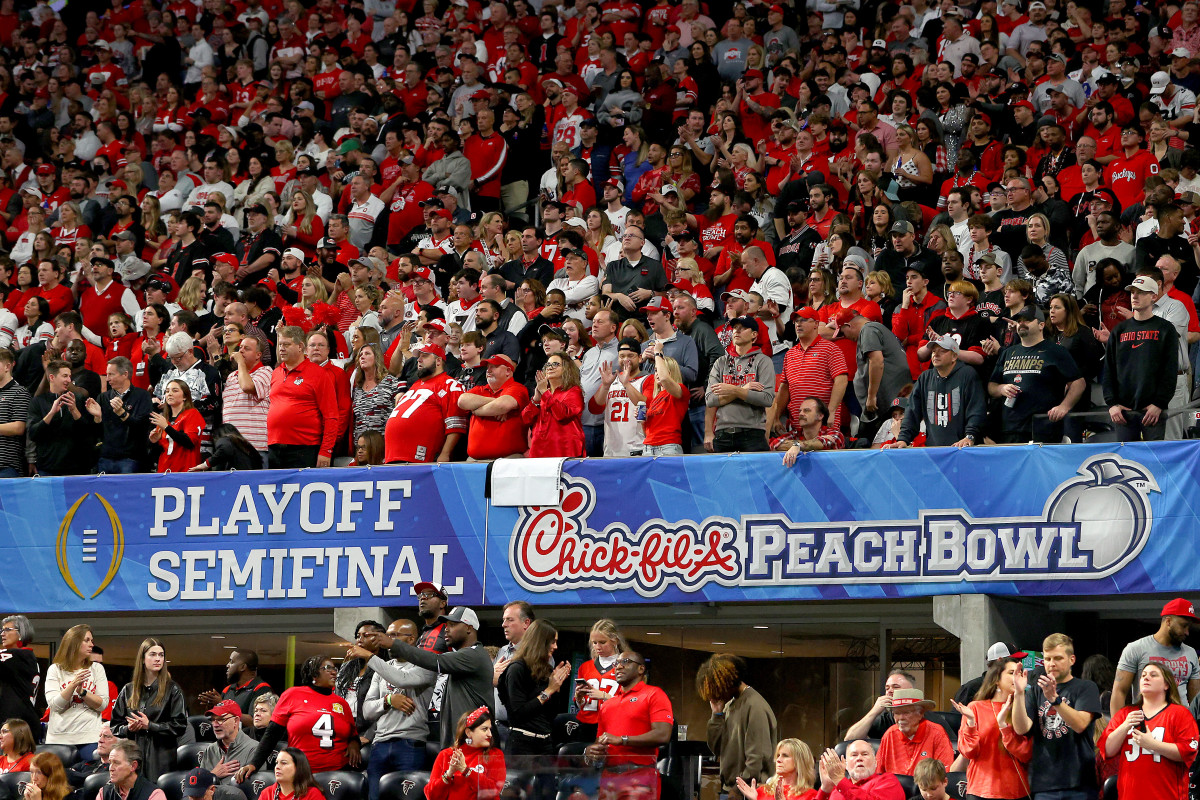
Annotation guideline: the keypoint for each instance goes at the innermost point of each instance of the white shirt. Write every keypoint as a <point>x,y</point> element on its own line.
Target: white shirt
<point>199,195</point>
<point>202,56</point>
<point>362,220</point>
<point>774,285</point>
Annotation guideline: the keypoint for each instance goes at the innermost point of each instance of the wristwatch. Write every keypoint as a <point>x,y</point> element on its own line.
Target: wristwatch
<point>1057,700</point>
<point>624,740</point>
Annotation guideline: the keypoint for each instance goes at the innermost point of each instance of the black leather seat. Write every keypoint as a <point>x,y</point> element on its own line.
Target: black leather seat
<point>202,726</point>
<point>1110,787</point>
<point>92,784</point>
<point>956,785</point>
<point>68,754</point>
<point>172,783</point>
<point>252,787</point>
<point>841,747</point>
<point>187,756</point>
<point>342,785</point>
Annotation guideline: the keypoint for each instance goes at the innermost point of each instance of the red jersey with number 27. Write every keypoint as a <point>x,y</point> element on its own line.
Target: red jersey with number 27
<point>591,674</point>
<point>426,413</point>
<point>318,724</point>
<point>1148,776</point>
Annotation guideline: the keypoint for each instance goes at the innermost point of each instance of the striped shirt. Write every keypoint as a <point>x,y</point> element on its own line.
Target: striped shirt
<point>372,407</point>
<point>810,371</point>
<point>248,412</point>
<point>14,406</point>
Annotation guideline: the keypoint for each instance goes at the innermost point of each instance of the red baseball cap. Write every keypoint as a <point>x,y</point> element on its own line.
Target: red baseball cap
<point>46,169</point>
<point>500,360</point>
<point>430,347</point>
<point>225,707</point>
<point>439,325</point>
<point>844,315</point>
<point>443,213</point>
<point>270,284</point>
<point>656,303</point>
<point>753,73</point>
<point>1025,104</point>
<point>806,313</point>
<point>1180,607</point>
<point>227,258</point>
<point>421,274</point>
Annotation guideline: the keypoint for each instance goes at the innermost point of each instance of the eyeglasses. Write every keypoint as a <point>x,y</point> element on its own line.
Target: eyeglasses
<point>676,155</point>
<point>329,668</point>
<point>8,630</point>
<point>628,661</point>
<point>554,364</point>
<point>427,595</point>
<point>227,718</point>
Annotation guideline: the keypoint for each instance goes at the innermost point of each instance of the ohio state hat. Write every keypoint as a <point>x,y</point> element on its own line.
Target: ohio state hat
<point>1179,607</point>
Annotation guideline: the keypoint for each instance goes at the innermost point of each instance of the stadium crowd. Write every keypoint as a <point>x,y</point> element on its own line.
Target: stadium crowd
<point>283,233</point>
<point>424,706</point>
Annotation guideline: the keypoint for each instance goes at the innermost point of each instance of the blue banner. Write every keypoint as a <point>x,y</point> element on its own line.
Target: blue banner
<point>1068,520</point>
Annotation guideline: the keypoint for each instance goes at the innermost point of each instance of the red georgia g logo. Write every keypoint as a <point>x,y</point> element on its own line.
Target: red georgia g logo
<point>553,548</point>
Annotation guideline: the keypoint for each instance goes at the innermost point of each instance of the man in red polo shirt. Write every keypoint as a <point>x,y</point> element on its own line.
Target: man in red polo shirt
<point>497,429</point>
<point>813,367</point>
<point>913,737</point>
<point>300,432</point>
<point>633,724</point>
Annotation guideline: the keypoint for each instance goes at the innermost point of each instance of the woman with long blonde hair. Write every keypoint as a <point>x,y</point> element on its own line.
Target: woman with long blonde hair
<point>301,226</point>
<point>192,295</point>
<point>156,231</point>
<point>150,710</point>
<point>595,681</point>
<point>76,691</point>
<point>795,773</point>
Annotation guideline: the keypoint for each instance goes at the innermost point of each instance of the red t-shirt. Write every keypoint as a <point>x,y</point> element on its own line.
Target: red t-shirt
<point>1127,176</point>
<point>1147,776</point>
<point>317,724</point>
<point>718,233</point>
<point>425,415</point>
<point>496,437</point>
<point>632,712</point>
<point>175,457</point>
<point>664,414</point>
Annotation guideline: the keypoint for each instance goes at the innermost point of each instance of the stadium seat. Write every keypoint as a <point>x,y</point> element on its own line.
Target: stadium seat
<point>341,784</point>
<point>841,747</point>
<point>87,752</point>
<point>187,756</point>
<point>171,783</point>
<point>431,752</point>
<point>412,786</point>
<point>949,720</point>
<point>252,787</point>
<point>68,754</point>
<point>14,784</point>
<point>396,785</point>
<point>92,784</point>
<point>1110,787</point>
<point>956,785</point>
<point>202,727</point>
<point>907,784</point>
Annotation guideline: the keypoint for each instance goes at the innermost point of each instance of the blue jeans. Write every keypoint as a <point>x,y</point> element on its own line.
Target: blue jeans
<point>662,450</point>
<point>593,441</point>
<point>9,472</point>
<point>393,755</point>
<point>117,466</point>
<point>1066,794</point>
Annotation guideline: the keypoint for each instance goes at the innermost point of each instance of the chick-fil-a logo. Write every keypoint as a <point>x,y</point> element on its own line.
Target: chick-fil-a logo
<point>1091,526</point>
<point>553,548</point>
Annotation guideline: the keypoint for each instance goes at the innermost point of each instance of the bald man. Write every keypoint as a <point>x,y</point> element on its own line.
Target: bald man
<point>397,703</point>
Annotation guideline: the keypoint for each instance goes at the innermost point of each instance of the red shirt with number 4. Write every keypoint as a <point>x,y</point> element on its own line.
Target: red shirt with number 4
<point>318,724</point>
<point>1148,776</point>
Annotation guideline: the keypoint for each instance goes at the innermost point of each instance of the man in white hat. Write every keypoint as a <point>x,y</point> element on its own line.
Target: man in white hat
<point>1142,355</point>
<point>1029,32</point>
<point>913,737</point>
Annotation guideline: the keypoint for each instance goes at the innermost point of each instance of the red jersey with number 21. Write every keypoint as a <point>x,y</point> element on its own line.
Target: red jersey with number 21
<point>1148,776</point>
<point>318,724</point>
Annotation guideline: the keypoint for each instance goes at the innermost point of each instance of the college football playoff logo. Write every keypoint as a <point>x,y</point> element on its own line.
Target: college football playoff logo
<point>82,543</point>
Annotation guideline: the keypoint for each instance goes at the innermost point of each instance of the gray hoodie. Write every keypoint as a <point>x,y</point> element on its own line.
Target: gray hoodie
<point>398,677</point>
<point>470,680</point>
<point>950,407</point>
<point>740,370</point>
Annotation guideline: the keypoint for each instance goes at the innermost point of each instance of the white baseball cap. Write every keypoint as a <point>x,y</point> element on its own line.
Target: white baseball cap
<point>295,252</point>
<point>1158,82</point>
<point>1001,650</point>
<point>461,614</point>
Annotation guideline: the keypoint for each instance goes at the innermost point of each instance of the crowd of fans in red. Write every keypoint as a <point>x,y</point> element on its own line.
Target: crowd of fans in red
<point>247,233</point>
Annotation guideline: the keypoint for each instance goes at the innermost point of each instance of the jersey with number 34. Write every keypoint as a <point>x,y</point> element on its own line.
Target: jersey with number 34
<point>1147,775</point>
<point>315,723</point>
